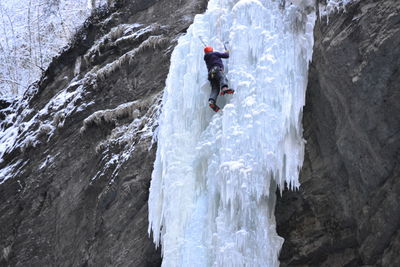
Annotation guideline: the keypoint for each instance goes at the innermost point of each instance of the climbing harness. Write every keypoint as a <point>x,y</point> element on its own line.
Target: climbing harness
<point>213,72</point>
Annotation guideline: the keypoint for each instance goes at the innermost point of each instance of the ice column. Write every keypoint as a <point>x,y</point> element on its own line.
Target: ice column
<point>212,194</point>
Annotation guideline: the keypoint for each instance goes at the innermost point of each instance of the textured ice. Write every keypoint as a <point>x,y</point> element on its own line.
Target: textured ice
<point>212,194</point>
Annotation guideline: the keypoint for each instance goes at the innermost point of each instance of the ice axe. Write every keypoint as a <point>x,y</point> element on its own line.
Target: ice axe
<point>201,40</point>
<point>226,49</point>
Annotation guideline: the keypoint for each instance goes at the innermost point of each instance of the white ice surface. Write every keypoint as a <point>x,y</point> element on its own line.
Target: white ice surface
<point>212,194</point>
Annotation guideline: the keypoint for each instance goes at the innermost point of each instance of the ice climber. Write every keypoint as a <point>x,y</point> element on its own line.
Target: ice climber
<point>216,75</point>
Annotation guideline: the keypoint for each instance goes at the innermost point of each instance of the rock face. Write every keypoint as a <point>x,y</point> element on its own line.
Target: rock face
<point>347,212</point>
<point>79,187</point>
<point>78,195</point>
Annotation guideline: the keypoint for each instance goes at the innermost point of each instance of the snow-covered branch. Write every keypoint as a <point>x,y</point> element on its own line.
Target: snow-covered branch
<point>32,32</point>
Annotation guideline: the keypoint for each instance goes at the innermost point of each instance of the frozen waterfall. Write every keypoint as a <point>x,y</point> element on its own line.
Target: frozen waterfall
<point>212,194</point>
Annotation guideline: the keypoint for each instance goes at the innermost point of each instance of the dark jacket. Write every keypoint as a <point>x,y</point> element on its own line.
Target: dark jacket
<point>213,59</point>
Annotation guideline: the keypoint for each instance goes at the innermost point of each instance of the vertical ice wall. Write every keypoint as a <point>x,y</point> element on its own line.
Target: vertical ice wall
<point>213,187</point>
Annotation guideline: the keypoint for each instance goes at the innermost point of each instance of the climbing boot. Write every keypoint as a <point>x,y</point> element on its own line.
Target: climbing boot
<point>226,90</point>
<point>212,105</point>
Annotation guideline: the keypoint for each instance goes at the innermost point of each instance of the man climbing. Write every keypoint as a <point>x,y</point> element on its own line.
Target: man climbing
<point>216,75</point>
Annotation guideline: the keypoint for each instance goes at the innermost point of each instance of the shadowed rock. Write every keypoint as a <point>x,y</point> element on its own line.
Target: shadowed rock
<point>347,211</point>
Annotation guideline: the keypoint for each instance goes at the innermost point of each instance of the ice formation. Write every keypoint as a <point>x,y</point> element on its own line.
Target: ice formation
<point>213,187</point>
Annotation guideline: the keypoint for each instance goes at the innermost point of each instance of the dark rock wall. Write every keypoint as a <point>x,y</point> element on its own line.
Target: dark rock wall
<point>347,211</point>
<point>77,198</point>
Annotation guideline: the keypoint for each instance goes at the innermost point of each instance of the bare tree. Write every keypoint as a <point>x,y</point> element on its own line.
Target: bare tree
<point>31,33</point>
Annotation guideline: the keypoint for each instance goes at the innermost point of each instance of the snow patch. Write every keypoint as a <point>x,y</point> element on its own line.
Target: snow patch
<point>24,127</point>
<point>333,6</point>
<point>9,171</point>
<point>47,162</point>
<point>126,137</point>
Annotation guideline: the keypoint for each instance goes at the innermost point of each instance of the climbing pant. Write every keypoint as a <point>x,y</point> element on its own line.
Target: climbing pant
<point>218,81</point>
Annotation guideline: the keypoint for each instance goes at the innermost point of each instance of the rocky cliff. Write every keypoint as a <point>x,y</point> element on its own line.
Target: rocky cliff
<point>78,183</point>
<point>347,210</point>
<point>78,187</point>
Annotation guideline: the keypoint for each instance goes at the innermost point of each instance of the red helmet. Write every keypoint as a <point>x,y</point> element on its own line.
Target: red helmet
<point>208,49</point>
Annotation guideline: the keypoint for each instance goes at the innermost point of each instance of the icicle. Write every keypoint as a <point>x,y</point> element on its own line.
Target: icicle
<point>212,194</point>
